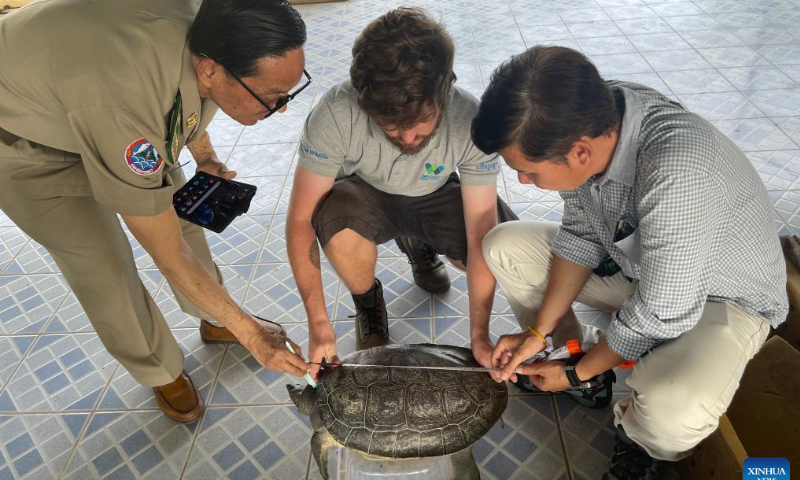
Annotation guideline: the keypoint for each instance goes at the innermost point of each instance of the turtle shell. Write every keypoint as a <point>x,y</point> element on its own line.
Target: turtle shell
<point>401,413</point>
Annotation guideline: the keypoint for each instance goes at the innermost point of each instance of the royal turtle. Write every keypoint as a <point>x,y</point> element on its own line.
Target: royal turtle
<point>403,413</point>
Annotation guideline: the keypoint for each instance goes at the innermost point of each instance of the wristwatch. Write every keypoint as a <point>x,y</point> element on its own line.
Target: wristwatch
<point>572,375</point>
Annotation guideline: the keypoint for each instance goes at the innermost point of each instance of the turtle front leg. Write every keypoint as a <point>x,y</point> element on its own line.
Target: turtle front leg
<point>464,466</point>
<point>321,441</point>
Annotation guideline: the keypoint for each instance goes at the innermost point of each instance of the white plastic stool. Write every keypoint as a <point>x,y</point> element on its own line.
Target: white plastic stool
<point>355,466</point>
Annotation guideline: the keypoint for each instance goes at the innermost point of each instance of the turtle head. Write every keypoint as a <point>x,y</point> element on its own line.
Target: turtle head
<point>303,397</point>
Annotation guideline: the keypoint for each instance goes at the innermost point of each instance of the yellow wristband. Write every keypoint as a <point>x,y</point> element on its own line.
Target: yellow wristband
<point>536,332</point>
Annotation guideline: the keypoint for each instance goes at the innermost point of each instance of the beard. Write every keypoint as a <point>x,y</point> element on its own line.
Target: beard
<point>412,150</point>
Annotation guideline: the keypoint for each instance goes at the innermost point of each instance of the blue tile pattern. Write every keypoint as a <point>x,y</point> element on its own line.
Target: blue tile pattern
<point>527,446</point>
<point>12,240</point>
<point>588,435</point>
<point>28,302</point>
<point>68,410</point>
<point>226,444</point>
<point>37,446</point>
<point>141,445</point>
<point>60,372</point>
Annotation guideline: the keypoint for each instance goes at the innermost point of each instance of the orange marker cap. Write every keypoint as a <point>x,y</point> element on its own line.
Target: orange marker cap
<point>574,347</point>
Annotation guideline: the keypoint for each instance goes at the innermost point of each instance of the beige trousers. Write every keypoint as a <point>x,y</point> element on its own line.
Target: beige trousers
<point>88,244</point>
<point>680,388</point>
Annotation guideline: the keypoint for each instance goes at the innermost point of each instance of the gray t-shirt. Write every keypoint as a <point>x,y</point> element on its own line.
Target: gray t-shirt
<point>339,139</point>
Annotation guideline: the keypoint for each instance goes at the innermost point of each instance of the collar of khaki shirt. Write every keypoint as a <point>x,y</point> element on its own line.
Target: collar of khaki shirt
<point>190,96</point>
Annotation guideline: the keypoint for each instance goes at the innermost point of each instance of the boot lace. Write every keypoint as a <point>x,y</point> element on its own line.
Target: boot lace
<point>370,322</point>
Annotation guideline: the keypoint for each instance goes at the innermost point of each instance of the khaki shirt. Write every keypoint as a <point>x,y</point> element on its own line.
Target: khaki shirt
<point>91,86</point>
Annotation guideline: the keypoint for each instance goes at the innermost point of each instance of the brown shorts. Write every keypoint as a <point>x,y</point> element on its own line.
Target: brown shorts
<point>436,219</point>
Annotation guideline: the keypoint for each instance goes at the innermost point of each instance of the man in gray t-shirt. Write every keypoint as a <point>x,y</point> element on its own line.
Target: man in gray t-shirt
<point>340,139</point>
<point>378,161</point>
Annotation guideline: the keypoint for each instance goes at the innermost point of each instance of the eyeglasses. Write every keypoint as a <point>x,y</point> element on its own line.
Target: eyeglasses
<point>280,103</point>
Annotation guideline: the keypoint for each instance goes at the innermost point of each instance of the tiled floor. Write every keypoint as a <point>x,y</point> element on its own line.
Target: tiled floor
<point>67,409</point>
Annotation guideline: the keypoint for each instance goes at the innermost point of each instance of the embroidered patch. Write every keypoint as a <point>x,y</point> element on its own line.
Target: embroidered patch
<point>142,157</point>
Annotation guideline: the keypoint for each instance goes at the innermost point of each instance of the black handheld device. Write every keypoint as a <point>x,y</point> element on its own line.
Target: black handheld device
<point>212,202</point>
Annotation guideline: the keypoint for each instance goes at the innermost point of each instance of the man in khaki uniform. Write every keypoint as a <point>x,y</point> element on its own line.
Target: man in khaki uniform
<point>96,101</point>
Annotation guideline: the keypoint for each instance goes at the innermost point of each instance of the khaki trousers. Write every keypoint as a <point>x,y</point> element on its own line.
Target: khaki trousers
<point>680,388</point>
<point>88,244</point>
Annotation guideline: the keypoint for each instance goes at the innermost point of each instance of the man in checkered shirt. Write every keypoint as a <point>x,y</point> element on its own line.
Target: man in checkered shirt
<point>655,192</point>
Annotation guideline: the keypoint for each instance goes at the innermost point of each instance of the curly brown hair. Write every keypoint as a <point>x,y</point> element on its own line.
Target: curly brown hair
<point>403,67</point>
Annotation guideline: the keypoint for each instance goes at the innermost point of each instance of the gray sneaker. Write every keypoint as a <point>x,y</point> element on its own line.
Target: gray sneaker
<point>372,324</point>
<point>429,272</point>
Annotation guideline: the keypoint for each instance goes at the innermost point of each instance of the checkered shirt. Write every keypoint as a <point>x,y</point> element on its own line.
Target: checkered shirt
<point>704,228</point>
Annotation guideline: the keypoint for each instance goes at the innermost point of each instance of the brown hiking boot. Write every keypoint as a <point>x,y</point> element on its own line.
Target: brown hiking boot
<point>430,274</point>
<point>372,324</point>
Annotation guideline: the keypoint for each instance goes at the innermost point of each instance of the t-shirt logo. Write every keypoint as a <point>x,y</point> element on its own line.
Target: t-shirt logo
<point>434,169</point>
<point>313,153</point>
<point>142,157</point>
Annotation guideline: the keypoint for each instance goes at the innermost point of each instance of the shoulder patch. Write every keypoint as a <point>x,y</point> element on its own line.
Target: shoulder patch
<point>142,157</point>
